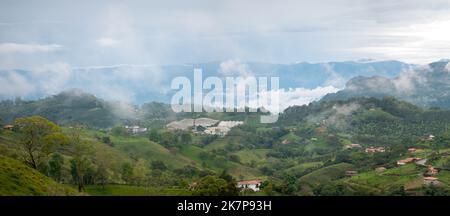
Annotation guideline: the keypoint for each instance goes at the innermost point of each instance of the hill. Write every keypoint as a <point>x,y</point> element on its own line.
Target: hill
<point>17,179</point>
<point>425,86</point>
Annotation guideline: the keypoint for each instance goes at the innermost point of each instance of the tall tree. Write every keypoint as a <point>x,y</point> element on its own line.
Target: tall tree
<point>39,138</point>
<point>55,166</point>
<point>82,152</point>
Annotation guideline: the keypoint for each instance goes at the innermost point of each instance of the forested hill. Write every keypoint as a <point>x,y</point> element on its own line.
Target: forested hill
<point>371,118</point>
<point>77,107</point>
<point>427,86</point>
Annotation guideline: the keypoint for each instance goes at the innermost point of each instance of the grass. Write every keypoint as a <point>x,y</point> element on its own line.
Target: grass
<point>408,176</point>
<point>141,147</point>
<point>259,156</point>
<point>17,179</point>
<point>326,174</point>
<point>128,190</point>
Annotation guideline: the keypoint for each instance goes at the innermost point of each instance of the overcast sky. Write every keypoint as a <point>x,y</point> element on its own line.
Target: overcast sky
<point>89,33</point>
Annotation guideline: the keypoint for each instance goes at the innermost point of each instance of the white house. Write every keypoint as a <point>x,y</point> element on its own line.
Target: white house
<point>135,129</point>
<point>250,184</point>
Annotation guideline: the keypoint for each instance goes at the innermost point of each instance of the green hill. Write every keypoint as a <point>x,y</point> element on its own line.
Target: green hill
<point>17,179</point>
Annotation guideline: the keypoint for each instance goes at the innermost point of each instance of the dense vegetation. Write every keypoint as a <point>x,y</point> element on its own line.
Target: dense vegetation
<point>305,153</point>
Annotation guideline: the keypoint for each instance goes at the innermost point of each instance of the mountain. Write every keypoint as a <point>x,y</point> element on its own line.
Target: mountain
<point>138,84</point>
<point>425,86</point>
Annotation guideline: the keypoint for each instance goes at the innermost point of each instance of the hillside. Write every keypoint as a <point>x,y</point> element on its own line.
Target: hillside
<point>17,179</point>
<point>425,86</point>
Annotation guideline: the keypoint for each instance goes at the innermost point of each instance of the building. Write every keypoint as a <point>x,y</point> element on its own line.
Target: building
<point>135,129</point>
<point>286,142</point>
<point>407,161</point>
<point>432,171</point>
<point>380,169</point>
<point>430,181</point>
<point>8,127</point>
<point>249,185</point>
<point>350,173</point>
<point>412,150</point>
<point>230,124</point>
<point>375,150</point>
<point>353,145</point>
<point>219,131</point>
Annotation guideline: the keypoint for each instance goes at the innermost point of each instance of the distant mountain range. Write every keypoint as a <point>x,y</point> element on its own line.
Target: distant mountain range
<point>427,86</point>
<point>140,83</point>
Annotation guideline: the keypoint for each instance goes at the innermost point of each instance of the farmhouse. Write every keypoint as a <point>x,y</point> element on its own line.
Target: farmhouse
<point>353,145</point>
<point>407,161</point>
<point>135,129</point>
<point>286,142</point>
<point>412,150</point>
<point>8,127</point>
<point>380,169</point>
<point>430,181</point>
<point>375,149</point>
<point>250,184</point>
<point>432,171</point>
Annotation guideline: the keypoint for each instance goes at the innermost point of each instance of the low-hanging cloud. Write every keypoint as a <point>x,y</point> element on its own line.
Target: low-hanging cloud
<point>7,48</point>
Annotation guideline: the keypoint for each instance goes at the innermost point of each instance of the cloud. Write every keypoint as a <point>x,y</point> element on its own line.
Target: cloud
<point>107,42</point>
<point>293,97</point>
<point>6,48</point>
<point>234,68</point>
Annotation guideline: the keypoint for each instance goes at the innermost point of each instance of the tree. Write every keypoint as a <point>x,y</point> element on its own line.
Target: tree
<point>39,138</point>
<point>186,138</point>
<point>159,165</point>
<point>127,172</point>
<point>107,140</point>
<point>154,135</point>
<point>140,172</point>
<point>214,186</point>
<point>81,162</point>
<point>56,164</point>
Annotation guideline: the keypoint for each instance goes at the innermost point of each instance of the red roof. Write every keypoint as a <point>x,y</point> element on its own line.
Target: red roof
<point>250,182</point>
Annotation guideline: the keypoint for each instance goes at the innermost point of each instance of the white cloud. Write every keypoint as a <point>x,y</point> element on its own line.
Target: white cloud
<point>28,48</point>
<point>292,97</point>
<point>234,68</point>
<point>107,42</point>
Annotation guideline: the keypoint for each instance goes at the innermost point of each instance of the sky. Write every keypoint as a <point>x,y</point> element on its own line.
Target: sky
<point>54,38</point>
<point>101,33</point>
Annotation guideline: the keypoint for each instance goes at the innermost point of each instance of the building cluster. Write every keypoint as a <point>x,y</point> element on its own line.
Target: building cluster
<point>253,185</point>
<point>204,126</point>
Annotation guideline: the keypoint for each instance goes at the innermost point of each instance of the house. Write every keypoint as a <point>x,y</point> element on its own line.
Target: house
<point>249,185</point>
<point>429,137</point>
<point>432,171</point>
<point>350,173</point>
<point>375,149</point>
<point>412,150</point>
<point>407,161</point>
<point>8,127</point>
<point>380,169</point>
<point>421,162</point>
<point>135,129</point>
<point>219,131</point>
<point>286,142</point>
<point>430,181</point>
<point>353,145</point>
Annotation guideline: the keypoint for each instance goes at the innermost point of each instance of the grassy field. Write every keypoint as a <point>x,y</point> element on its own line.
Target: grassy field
<point>326,174</point>
<point>127,190</point>
<point>136,146</point>
<point>17,179</point>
